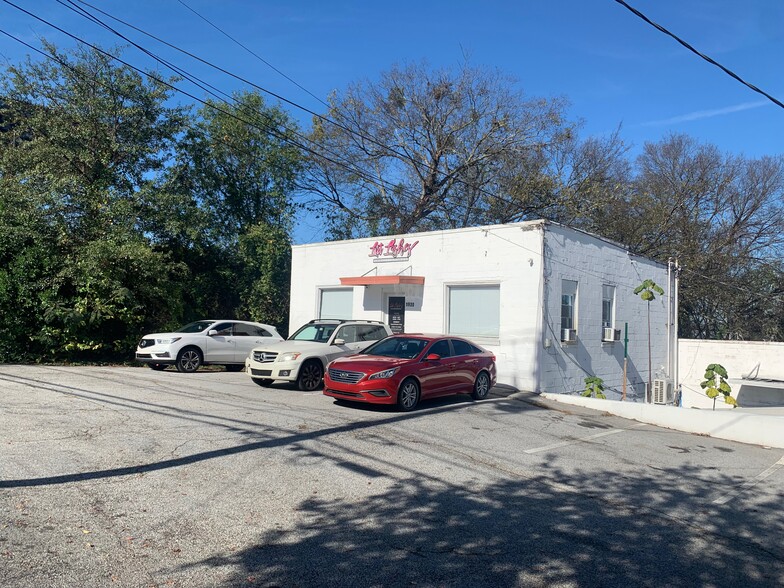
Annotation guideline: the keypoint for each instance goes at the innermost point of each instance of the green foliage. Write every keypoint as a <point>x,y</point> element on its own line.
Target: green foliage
<point>648,290</point>
<point>594,387</point>
<point>240,164</point>
<point>715,383</point>
<point>115,222</point>
<point>265,253</point>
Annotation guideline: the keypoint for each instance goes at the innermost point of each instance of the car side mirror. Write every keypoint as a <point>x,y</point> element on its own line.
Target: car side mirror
<point>339,342</point>
<point>212,333</point>
<point>433,357</point>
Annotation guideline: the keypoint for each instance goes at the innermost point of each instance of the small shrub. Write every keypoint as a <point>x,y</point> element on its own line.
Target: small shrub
<point>594,387</point>
<point>716,383</point>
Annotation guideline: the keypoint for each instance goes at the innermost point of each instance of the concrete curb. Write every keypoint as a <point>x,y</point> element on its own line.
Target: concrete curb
<point>733,425</point>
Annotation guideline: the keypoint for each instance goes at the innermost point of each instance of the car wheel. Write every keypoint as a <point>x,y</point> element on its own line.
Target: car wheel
<point>157,366</point>
<point>189,360</point>
<point>408,395</point>
<point>263,382</point>
<point>481,386</point>
<point>234,367</point>
<point>310,375</point>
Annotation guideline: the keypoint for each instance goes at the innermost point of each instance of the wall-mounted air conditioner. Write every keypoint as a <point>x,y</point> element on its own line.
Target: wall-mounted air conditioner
<point>568,335</point>
<point>662,392</point>
<point>610,334</point>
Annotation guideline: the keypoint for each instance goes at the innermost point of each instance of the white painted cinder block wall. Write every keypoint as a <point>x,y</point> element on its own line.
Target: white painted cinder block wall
<point>741,359</point>
<point>592,262</point>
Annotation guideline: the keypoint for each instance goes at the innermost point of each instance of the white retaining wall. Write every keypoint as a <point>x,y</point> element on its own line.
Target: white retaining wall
<point>751,365</point>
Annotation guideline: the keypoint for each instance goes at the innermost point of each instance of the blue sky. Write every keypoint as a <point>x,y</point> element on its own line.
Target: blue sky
<point>613,68</point>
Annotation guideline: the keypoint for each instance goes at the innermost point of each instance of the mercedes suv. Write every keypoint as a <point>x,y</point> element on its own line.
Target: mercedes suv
<point>303,357</point>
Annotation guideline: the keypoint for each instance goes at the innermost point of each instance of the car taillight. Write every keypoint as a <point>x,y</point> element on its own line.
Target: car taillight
<point>492,357</point>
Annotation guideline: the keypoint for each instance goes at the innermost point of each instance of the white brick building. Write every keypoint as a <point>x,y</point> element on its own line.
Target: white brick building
<point>546,299</point>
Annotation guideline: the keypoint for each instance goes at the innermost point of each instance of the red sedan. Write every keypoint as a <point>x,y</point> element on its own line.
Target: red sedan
<point>402,369</point>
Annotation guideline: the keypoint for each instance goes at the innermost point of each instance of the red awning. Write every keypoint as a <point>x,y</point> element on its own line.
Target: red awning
<point>382,280</point>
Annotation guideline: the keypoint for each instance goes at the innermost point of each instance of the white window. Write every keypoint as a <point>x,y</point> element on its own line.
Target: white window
<point>336,303</point>
<point>568,305</point>
<point>474,311</point>
<point>608,306</point>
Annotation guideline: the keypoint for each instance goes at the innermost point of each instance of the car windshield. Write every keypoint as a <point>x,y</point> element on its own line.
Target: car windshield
<point>400,347</point>
<point>319,333</point>
<point>196,327</point>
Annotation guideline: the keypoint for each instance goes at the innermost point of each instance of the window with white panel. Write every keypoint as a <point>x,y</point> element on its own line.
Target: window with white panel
<point>336,303</point>
<point>474,311</point>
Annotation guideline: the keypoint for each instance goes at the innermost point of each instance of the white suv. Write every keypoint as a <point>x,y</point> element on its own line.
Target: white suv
<point>303,357</point>
<point>226,342</point>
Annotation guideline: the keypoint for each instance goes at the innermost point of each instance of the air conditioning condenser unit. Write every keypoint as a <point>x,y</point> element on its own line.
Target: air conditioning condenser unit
<point>610,334</point>
<point>662,392</point>
<point>568,335</point>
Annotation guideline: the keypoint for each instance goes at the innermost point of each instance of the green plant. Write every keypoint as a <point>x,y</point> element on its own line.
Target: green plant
<point>716,383</point>
<point>647,291</point>
<point>594,387</point>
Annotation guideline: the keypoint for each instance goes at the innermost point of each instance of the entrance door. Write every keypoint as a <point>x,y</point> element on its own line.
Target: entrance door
<point>396,313</point>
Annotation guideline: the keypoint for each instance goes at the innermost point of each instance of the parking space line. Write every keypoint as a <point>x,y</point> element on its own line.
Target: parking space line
<point>581,439</point>
<point>749,483</point>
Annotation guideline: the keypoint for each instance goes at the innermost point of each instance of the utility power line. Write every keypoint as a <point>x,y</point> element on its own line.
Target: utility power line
<point>269,129</point>
<point>250,123</point>
<point>345,164</point>
<point>702,55</point>
<point>256,55</point>
<point>351,131</point>
<point>381,183</point>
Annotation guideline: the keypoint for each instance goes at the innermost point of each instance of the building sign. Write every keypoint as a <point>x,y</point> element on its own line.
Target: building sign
<point>394,250</point>
<point>397,314</point>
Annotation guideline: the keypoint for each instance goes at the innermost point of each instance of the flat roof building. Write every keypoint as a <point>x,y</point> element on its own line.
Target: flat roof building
<point>553,303</point>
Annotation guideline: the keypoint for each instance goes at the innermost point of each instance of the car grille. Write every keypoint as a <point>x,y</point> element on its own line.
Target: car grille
<point>341,393</point>
<point>255,372</point>
<point>146,343</point>
<point>345,377</point>
<point>264,356</point>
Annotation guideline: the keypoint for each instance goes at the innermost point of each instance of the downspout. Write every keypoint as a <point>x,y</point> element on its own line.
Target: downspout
<point>540,308</point>
<point>669,318</point>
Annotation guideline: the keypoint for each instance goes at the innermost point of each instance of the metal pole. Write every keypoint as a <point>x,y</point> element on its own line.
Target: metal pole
<point>625,350</point>
<point>676,384</point>
<point>669,317</point>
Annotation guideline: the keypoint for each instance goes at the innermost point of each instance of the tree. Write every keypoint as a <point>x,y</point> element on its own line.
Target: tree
<point>721,215</point>
<point>240,161</point>
<point>265,253</point>
<point>239,164</point>
<point>423,149</point>
<point>647,292</point>
<point>81,138</point>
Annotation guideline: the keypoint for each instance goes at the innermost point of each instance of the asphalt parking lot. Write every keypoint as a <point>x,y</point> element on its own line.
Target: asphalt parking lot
<point>119,476</point>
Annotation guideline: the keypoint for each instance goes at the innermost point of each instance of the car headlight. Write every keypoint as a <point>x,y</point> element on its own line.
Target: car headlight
<point>291,356</point>
<point>383,375</point>
<point>168,341</point>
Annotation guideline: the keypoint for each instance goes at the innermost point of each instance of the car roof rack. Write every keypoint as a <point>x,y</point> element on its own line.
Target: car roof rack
<point>341,321</point>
